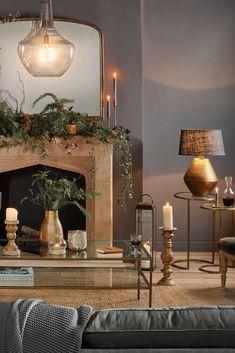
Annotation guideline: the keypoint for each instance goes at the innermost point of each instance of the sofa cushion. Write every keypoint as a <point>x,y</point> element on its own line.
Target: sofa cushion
<point>227,244</point>
<point>189,327</point>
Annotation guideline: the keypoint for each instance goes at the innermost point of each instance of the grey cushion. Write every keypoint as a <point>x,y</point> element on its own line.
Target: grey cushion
<point>227,244</point>
<point>204,327</point>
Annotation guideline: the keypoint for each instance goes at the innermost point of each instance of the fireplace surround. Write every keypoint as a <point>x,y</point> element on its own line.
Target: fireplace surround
<point>89,157</point>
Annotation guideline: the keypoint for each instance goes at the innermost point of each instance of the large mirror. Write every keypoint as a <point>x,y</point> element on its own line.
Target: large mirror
<point>83,82</point>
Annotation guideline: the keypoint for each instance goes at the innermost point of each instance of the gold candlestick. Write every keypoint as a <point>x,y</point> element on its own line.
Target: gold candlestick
<point>167,257</point>
<point>11,248</point>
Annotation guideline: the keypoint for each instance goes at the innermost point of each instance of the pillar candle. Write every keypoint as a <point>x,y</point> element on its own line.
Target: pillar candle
<point>145,264</point>
<point>216,197</point>
<point>167,216</point>
<point>11,214</point>
<point>108,107</point>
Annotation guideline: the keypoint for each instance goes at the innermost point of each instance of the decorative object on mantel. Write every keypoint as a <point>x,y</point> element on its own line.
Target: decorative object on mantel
<point>50,125</point>
<point>11,249</point>
<point>53,194</point>
<point>200,177</point>
<point>70,118</point>
<point>46,53</point>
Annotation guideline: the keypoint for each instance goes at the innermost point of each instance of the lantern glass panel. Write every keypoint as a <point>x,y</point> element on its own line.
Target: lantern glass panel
<point>145,225</point>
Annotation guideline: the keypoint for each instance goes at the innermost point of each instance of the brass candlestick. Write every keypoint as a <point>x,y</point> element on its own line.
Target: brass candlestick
<point>167,257</point>
<point>11,248</point>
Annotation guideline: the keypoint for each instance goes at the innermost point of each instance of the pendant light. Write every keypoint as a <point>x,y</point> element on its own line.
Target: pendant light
<point>44,52</point>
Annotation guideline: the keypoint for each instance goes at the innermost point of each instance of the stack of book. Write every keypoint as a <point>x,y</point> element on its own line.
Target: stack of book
<point>110,251</point>
<point>16,277</point>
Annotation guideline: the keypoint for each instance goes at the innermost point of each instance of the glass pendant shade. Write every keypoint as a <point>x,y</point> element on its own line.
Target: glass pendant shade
<point>44,52</point>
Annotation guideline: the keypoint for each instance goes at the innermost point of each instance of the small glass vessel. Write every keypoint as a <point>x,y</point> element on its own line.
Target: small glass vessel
<point>135,242</point>
<point>57,246</point>
<point>228,194</point>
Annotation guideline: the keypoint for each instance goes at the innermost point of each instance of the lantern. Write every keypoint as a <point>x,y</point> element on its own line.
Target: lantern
<point>145,213</point>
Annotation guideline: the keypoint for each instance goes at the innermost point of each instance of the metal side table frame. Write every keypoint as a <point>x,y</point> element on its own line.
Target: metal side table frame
<point>217,210</point>
<point>187,196</point>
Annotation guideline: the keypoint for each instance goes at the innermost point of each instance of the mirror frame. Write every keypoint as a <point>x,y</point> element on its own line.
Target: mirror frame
<point>101,54</point>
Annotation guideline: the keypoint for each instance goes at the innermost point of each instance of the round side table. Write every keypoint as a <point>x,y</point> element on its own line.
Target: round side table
<point>217,211</point>
<point>187,196</point>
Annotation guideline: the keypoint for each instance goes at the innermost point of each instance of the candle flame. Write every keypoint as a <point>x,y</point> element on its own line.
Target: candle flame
<point>108,98</point>
<point>114,75</point>
<point>167,204</point>
<point>216,189</point>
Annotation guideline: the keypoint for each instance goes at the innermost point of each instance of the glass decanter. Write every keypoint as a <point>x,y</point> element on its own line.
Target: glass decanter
<point>228,194</point>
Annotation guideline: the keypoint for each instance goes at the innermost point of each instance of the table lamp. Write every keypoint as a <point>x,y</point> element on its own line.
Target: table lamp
<point>200,177</point>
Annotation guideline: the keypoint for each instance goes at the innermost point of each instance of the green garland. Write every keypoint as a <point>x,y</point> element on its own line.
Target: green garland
<point>33,131</point>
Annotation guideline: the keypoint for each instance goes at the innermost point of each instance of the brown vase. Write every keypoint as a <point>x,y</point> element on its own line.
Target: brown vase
<point>50,227</point>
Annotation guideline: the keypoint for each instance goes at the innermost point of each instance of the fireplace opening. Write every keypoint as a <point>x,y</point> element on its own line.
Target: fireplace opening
<point>14,187</point>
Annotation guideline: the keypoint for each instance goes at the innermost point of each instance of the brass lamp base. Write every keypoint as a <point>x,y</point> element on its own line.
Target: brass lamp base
<point>200,177</point>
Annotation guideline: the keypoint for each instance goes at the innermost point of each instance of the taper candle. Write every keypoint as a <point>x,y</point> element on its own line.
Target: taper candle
<point>114,89</point>
<point>216,197</point>
<point>11,214</point>
<point>108,107</point>
<point>167,216</point>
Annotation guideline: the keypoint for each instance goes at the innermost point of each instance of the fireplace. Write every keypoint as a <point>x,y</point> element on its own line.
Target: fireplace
<point>90,158</point>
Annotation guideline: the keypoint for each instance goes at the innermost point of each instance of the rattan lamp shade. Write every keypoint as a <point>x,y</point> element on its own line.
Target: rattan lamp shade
<point>200,177</point>
<point>201,143</point>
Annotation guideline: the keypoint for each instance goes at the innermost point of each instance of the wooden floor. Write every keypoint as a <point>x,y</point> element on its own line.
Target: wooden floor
<point>202,288</point>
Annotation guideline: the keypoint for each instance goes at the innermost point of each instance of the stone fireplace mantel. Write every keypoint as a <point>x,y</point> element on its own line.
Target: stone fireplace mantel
<point>91,158</point>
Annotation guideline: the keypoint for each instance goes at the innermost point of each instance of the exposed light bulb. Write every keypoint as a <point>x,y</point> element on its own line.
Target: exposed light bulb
<point>47,54</point>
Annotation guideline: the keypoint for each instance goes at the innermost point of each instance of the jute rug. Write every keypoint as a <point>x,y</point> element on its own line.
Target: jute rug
<point>102,298</point>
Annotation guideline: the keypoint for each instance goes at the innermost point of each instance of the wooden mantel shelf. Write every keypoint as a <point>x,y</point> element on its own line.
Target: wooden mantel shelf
<point>80,155</point>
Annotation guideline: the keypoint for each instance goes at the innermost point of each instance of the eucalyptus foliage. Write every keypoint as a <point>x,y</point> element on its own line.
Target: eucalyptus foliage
<point>55,193</point>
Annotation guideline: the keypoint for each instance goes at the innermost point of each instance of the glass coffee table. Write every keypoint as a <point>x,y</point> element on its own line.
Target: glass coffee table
<point>86,269</point>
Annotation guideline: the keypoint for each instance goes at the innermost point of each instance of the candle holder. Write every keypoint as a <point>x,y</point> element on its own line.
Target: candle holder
<point>167,257</point>
<point>11,248</point>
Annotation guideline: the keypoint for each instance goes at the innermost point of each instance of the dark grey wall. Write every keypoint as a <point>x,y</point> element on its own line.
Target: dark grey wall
<point>120,21</point>
<point>188,82</point>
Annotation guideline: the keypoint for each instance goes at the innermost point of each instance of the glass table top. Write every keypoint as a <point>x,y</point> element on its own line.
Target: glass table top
<point>89,254</point>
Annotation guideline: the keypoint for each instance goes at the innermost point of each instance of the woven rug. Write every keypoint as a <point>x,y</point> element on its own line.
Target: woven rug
<point>102,298</point>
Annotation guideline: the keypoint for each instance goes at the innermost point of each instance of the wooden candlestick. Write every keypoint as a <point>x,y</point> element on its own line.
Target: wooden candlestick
<point>11,248</point>
<point>167,257</point>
